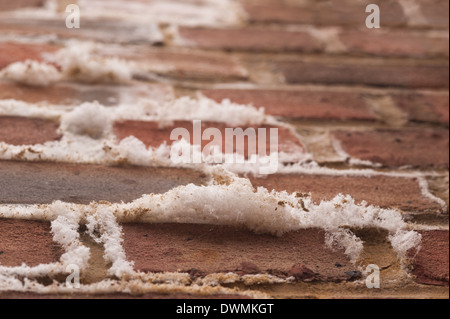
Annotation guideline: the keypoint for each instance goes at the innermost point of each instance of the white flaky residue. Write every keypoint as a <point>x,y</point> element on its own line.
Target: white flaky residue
<point>78,62</point>
<point>31,73</point>
<point>230,200</point>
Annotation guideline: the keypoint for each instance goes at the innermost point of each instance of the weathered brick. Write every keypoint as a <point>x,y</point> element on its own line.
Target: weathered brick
<point>152,135</point>
<point>187,64</point>
<point>102,31</point>
<point>76,94</point>
<point>251,39</point>
<point>6,5</point>
<point>431,263</point>
<point>43,183</point>
<point>345,12</point>
<point>27,131</point>
<point>16,52</point>
<point>31,295</point>
<point>210,249</point>
<point>423,107</point>
<point>394,43</point>
<point>384,75</point>
<point>301,104</point>
<point>417,148</point>
<point>28,242</point>
<point>387,192</point>
<point>436,13</point>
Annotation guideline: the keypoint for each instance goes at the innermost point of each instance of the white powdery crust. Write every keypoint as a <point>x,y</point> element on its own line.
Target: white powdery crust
<point>79,62</point>
<point>31,73</point>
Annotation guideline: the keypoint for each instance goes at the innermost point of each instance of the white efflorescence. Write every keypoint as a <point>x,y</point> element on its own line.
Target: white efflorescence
<point>31,73</point>
<point>78,62</point>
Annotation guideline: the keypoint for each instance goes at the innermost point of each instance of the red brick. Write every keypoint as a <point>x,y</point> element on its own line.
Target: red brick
<point>396,44</point>
<point>210,249</point>
<point>17,52</point>
<point>382,191</point>
<point>27,131</point>
<point>423,107</point>
<point>436,13</point>
<point>43,183</point>
<point>187,65</point>
<point>425,76</point>
<point>6,5</point>
<point>152,135</point>
<point>115,295</point>
<point>102,30</point>
<point>431,262</point>
<point>343,12</point>
<point>76,94</point>
<point>251,39</point>
<point>28,242</point>
<point>417,148</point>
<point>322,105</point>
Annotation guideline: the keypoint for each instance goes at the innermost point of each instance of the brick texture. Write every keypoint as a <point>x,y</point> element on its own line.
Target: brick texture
<point>28,242</point>
<point>425,76</point>
<point>424,148</point>
<point>28,131</point>
<point>387,192</point>
<point>17,52</point>
<point>296,104</point>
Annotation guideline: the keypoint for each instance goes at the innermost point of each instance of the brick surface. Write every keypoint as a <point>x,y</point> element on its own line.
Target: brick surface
<point>76,94</point>
<point>323,105</point>
<point>27,131</point>
<point>17,52</point>
<point>188,65</point>
<point>382,191</point>
<point>344,13</point>
<point>208,249</point>
<point>6,5</point>
<point>422,107</point>
<point>27,295</point>
<point>43,183</point>
<point>436,13</point>
<point>431,262</point>
<point>425,76</point>
<point>103,30</point>
<point>28,242</point>
<point>152,135</point>
<point>251,40</point>
<point>417,148</point>
<point>394,43</point>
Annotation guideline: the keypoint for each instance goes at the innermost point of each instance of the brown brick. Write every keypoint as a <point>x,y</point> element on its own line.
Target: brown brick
<point>417,148</point>
<point>152,135</point>
<point>304,104</point>
<point>27,131</point>
<point>382,191</point>
<point>423,107</point>
<point>329,12</point>
<point>6,5</point>
<point>28,242</point>
<point>76,94</point>
<point>116,295</point>
<point>436,13</point>
<point>396,44</point>
<point>43,183</point>
<point>251,39</point>
<point>188,65</point>
<point>16,52</point>
<point>102,31</point>
<point>431,262</point>
<point>425,76</point>
<point>211,249</point>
